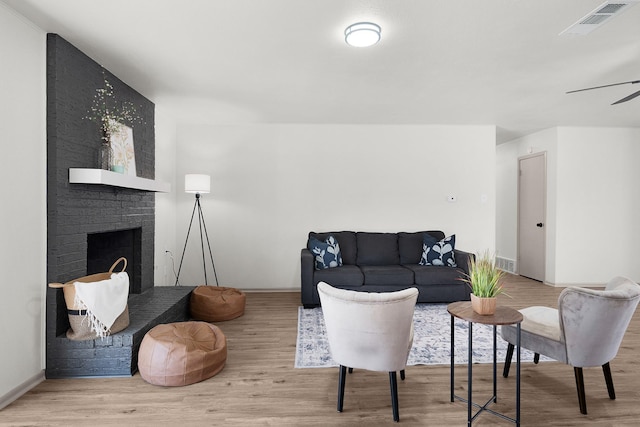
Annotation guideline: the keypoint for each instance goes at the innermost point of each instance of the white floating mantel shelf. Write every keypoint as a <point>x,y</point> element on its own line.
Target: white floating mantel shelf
<point>105,177</point>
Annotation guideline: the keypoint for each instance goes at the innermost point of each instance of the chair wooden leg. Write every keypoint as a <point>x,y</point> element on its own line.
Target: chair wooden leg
<point>402,375</point>
<point>341,382</point>
<point>609,379</point>
<point>582,399</point>
<point>393,381</point>
<point>507,360</point>
<point>536,358</point>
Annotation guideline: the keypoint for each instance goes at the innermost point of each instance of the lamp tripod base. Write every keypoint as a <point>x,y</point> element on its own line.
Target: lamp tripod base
<point>202,226</point>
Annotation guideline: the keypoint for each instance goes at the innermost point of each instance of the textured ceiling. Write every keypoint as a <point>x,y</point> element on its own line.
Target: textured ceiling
<point>495,62</point>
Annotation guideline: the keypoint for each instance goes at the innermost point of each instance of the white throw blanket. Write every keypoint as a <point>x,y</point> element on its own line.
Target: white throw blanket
<point>104,301</point>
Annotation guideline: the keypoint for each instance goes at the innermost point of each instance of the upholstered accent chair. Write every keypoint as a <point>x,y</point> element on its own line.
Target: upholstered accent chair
<point>369,330</point>
<point>585,331</point>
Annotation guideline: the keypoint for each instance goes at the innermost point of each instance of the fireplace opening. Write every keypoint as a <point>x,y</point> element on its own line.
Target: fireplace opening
<point>103,249</point>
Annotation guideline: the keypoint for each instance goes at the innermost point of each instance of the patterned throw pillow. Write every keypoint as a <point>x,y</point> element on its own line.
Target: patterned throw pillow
<point>438,253</point>
<point>327,253</point>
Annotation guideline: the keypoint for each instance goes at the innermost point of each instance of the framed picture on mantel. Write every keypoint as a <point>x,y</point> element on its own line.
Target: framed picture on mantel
<point>124,157</point>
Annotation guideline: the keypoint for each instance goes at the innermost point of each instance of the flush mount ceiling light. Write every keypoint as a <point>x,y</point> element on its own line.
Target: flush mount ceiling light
<point>362,34</point>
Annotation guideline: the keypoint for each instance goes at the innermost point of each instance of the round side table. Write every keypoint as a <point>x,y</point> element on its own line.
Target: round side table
<point>503,316</point>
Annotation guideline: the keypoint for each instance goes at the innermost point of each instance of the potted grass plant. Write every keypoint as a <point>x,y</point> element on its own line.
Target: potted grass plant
<point>485,280</point>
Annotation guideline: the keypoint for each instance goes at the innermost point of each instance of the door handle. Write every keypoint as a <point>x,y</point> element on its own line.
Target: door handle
<point>539,225</point>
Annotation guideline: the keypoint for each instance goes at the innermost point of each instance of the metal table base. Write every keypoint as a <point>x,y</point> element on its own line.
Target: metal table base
<point>494,399</point>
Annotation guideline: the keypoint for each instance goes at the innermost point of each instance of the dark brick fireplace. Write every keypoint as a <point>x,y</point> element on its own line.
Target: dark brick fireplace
<point>90,226</point>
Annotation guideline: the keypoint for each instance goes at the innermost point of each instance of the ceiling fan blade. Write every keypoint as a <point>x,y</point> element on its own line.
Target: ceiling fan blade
<point>627,98</point>
<point>600,87</point>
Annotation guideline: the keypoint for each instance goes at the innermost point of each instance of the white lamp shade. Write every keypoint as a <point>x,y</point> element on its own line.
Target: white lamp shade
<point>362,34</point>
<point>197,183</point>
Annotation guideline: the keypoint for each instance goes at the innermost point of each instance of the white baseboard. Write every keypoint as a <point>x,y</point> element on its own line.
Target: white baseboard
<point>578,285</point>
<point>15,394</point>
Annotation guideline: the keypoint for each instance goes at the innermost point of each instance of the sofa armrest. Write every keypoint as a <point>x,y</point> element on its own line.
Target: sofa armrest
<point>463,259</point>
<point>306,279</point>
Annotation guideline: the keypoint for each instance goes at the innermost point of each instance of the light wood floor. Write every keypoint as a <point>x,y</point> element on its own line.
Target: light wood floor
<point>260,386</point>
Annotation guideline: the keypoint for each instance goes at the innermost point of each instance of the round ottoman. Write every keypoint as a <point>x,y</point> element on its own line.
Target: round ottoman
<point>217,303</point>
<point>177,354</point>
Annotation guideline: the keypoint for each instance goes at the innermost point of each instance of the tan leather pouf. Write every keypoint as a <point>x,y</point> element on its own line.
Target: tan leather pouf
<point>177,354</point>
<point>217,303</point>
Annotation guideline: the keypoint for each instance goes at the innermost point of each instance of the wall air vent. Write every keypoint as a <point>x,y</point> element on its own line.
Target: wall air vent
<point>599,16</point>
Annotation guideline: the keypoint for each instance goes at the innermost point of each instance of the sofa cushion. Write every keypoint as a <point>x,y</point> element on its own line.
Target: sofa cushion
<point>425,275</point>
<point>347,242</point>
<point>377,249</point>
<point>387,275</point>
<point>325,254</point>
<point>438,252</point>
<point>347,275</point>
<point>410,245</point>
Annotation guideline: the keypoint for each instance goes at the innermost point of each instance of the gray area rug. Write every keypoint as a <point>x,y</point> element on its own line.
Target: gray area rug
<point>431,341</point>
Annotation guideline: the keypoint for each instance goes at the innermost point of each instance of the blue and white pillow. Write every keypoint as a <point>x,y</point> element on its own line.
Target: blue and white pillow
<point>327,253</point>
<point>438,253</point>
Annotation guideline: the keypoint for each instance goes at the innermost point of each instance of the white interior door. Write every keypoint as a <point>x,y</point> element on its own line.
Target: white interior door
<point>532,188</point>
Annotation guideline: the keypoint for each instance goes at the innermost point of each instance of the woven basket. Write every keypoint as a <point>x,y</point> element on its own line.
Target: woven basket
<point>80,329</point>
<point>70,290</point>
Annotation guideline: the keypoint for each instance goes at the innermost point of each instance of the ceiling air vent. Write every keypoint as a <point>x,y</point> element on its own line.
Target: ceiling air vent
<point>599,16</point>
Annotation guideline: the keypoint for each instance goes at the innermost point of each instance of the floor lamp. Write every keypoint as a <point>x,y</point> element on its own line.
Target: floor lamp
<point>198,184</point>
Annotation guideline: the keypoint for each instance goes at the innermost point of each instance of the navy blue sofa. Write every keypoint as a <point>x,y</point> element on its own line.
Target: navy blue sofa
<point>382,262</point>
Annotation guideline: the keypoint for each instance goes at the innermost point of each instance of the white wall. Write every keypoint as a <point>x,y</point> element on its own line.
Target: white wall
<point>506,200</point>
<point>23,212</point>
<point>598,204</point>
<point>592,198</point>
<point>272,184</point>
<point>165,230</point>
